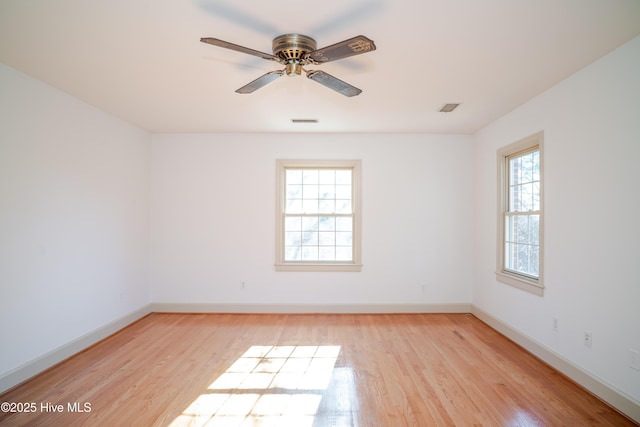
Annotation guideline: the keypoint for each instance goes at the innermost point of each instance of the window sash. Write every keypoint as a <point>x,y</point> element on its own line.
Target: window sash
<point>521,243</point>
<point>318,238</point>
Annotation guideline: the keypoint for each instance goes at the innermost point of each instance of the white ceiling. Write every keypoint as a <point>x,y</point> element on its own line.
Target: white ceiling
<point>142,61</point>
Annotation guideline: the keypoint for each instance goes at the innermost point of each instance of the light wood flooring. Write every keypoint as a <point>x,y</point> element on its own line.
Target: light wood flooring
<point>306,370</point>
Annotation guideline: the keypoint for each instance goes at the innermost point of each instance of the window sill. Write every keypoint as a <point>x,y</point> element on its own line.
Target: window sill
<point>531,286</point>
<point>318,267</point>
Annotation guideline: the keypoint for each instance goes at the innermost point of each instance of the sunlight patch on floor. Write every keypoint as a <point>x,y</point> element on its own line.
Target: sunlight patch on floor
<point>266,386</point>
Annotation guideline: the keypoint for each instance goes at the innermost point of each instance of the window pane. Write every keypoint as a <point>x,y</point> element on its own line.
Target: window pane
<point>310,206</point>
<point>294,191</point>
<point>292,238</point>
<point>514,198</point>
<point>309,191</point>
<point>327,223</point>
<point>343,238</point>
<point>309,238</point>
<point>534,260</point>
<point>523,258</point>
<point>536,196</point>
<point>343,192</point>
<point>344,253</point>
<point>327,192</point>
<point>326,206</point>
<point>293,223</point>
<point>292,253</point>
<point>294,206</point>
<point>310,176</point>
<point>508,229</point>
<point>327,253</point>
<point>534,229</point>
<point>343,206</point>
<point>509,256</point>
<point>526,164</point>
<point>524,182</point>
<point>326,238</point>
<point>526,199</point>
<point>522,228</point>
<point>310,223</point>
<point>309,253</point>
<point>514,171</point>
<point>343,176</point>
<point>294,176</point>
<point>344,224</point>
<point>521,197</point>
<point>327,176</point>
<point>536,165</point>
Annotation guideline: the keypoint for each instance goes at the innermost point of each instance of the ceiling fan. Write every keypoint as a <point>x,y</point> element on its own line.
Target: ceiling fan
<point>295,51</point>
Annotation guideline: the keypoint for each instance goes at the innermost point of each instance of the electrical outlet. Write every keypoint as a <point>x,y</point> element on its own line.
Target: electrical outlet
<point>588,339</point>
<point>555,324</point>
<point>635,359</point>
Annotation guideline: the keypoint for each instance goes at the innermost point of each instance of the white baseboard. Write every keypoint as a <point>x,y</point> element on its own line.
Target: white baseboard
<point>608,393</point>
<point>57,355</point>
<point>309,308</point>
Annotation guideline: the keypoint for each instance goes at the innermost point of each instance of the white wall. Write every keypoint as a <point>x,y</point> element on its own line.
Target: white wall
<point>591,123</point>
<point>213,204</point>
<point>73,219</point>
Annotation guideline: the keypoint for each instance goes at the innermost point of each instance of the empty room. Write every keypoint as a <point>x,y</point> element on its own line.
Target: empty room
<point>342,213</point>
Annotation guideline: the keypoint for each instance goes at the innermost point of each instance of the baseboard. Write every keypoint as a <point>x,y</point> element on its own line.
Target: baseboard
<point>57,355</point>
<point>309,308</point>
<point>608,393</point>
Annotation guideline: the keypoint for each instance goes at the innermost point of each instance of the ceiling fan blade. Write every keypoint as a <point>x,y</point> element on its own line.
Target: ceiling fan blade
<point>261,81</point>
<point>350,47</point>
<point>333,83</point>
<point>238,48</point>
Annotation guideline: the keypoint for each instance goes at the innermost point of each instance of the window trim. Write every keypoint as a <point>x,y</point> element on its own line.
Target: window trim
<point>351,266</point>
<point>526,283</point>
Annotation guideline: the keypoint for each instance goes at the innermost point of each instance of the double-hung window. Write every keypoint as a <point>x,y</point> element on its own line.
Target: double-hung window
<point>318,215</point>
<point>520,214</point>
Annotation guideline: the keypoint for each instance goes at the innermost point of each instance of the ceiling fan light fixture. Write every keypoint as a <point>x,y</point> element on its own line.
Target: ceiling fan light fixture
<point>293,69</point>
<point>447,108</point>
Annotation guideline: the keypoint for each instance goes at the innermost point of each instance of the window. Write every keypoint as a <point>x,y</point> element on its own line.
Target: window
<point>520,214</point>
<point>318,217</point>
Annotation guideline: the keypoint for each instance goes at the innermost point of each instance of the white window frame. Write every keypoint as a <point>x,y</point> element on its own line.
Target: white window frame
<point>355,264</point>
<point>521,281</point>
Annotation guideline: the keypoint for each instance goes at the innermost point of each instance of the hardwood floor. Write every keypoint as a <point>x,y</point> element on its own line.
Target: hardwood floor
<point>306,370</point>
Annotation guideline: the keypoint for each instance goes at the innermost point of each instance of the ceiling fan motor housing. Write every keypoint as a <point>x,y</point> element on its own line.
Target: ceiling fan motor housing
<point>293,47</point>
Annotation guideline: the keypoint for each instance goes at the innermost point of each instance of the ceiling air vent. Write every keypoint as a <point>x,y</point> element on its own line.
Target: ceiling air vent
<point>304,120</point>
<point>447,108</point>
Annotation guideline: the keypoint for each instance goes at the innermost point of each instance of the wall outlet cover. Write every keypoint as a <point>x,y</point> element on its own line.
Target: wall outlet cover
<point>588,339</point>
